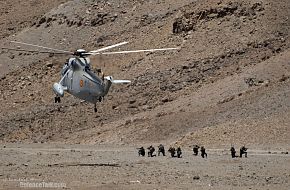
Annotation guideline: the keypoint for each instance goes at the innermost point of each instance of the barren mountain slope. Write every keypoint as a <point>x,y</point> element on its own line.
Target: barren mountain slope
<point>229,83</point>
<point>16,15</point>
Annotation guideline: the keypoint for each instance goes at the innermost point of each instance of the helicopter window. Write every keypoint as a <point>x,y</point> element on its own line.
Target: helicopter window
<point>64,70</point>
<point>82,61</point>
<point>71,62</point>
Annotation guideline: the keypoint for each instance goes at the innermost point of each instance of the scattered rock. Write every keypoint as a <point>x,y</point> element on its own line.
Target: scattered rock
<point>228,99</point>
<point>100,19</point>
<point>253,82</point>
<point>11,56</point>
<point>128,122</point>
<point>11,28</point>
<point>196,178</point>
<point>132,101</point>
<point>41,21</point>
<point>49,64</point>
<point>101,39</point>
<point>284,78</point>
<point>164,100</point>
<point>132,106</point>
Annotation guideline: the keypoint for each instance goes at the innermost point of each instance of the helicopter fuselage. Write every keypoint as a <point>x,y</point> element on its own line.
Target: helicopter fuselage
<point>79,81</point>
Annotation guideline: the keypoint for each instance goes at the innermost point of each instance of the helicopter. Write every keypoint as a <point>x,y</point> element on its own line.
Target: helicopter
<point>77,76</point>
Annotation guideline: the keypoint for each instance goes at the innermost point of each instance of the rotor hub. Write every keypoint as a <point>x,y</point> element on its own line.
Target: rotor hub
<point>80,52</point>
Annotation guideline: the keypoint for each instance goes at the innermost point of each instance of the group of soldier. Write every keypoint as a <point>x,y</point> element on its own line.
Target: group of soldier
<point>202,151</point>
<point>176,152</point>
<point>151,150</point>
<point>172,151</point>
<point>243,150</point>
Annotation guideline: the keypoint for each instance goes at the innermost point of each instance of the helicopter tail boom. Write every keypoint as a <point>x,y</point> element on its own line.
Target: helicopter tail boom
<point>109,81</point>
<point>110,78</point>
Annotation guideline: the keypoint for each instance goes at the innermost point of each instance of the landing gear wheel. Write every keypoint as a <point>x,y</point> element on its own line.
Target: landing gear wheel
<point>56,99</point>
<point>100,99</point>
<point>96,110</point>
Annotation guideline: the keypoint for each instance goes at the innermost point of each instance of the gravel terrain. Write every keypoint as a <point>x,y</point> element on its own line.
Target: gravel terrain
<point>119,167</point>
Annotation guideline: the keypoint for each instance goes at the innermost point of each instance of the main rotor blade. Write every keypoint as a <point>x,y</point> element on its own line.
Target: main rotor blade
<point>41,47</point>
<point>33,51</point>
<point>135,51</point>
<point>109,47</point>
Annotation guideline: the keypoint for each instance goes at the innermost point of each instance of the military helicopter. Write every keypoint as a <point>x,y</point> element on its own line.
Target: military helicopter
<point>77,76</point>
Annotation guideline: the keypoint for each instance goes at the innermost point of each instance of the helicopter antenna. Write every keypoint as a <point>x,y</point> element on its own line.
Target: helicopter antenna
<point>64,51</point>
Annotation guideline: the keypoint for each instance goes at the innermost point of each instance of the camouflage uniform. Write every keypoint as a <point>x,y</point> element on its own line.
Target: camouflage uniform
<point>172,151</point>
<point>161,150</point>
<point>203,153</point>
<point>141,151</point>
<point>195,150</point>
<point>233,152</point>
<point>178,152</point>
<point>243,150</point>
<point>151,150</point>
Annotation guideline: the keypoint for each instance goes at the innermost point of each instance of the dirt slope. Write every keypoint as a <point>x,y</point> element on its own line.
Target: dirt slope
<point>15,15</point>
<point>229,83</point>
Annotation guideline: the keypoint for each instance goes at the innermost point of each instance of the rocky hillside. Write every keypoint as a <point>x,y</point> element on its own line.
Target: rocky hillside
<point>228,84</point>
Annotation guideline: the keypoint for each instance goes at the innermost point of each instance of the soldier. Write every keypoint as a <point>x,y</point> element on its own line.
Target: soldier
<point>195,150</point>
<point>178,151</point>
<point>161,150</point>
<point>172,151</point>
<point>203,153</point>
<point>243,150</point>
<point>141,151</point>
<point>151,150</point>
<point>233,152</point>
<point>177,26</point>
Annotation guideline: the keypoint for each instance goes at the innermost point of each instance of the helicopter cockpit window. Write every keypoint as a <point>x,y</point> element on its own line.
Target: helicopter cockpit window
<point>71,62</point>
<point>64,69</point>
<point>86,62</point>
<point>68,64</point>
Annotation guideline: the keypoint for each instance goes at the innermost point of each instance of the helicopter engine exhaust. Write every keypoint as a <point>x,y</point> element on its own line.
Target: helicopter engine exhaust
<point>58,89</point>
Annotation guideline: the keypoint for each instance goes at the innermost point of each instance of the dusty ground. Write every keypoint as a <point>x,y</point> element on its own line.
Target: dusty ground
<point>119,167</point>
<point>227,85</point>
